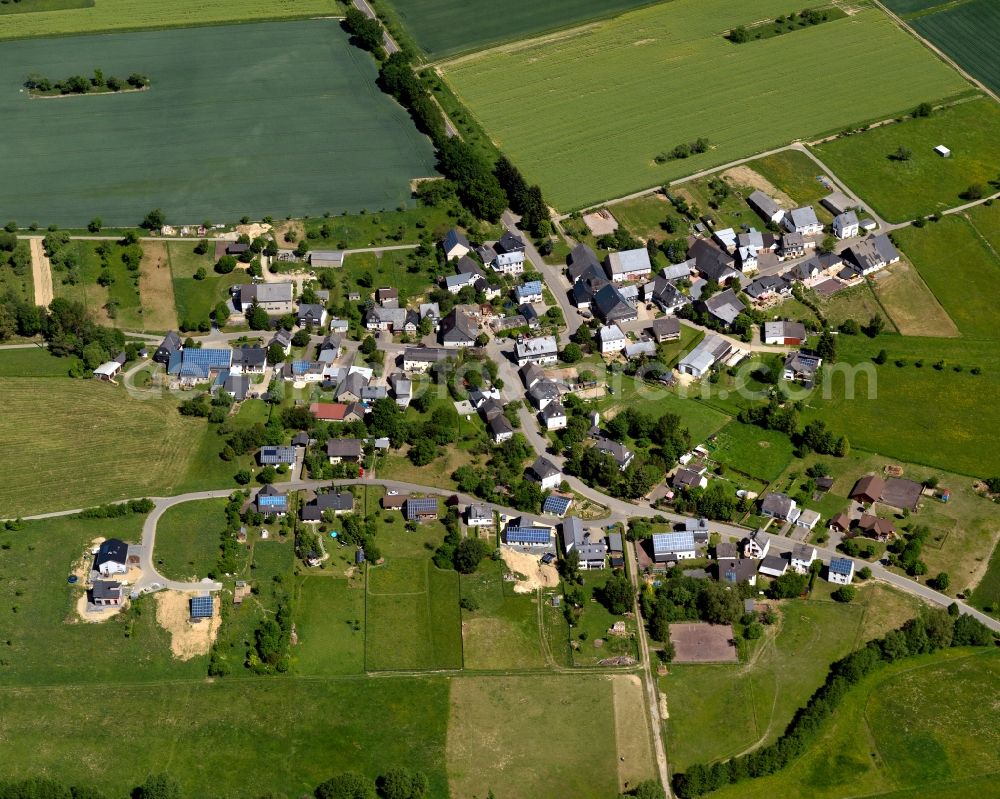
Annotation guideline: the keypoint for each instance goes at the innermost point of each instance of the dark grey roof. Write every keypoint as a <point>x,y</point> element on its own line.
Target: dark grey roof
<point>775,504</point>
<point>725,306</point>
<point>580,259</point>
<point>457,326</point>
<point>344,448</point>
<point>543,467</point>
<point>611,305</point>
<point>711,261</point>
<point>499,425</point>
<point>509,242</point>
<point>114,550</point>
<point>249,357</point>
<point>105,589</point>
<point>468,266</point>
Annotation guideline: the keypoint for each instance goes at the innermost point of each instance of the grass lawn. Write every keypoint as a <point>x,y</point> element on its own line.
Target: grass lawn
<point>758,452</point>
<point>109,447</point>
<point>914,310</point>
<point>187,539</point>
<point>503,632</point>
<point>901,190</point>
<point>701,420</point>
<point>299,732</point>
<point>732,210</point>
<point>963,31</point>
<point>592,627</point>
<point>163,157</point>
<point>34,362</point>
<point>883,740</point>
<point>329,620</point>
<point>717,711</point>
<point>82,16</point>
<point>955,433</point>
<point>986,597</point>
<point>960,268</point>
<point>643,216</point>
<point>441,29</point>
<point>398,268</point>
<point>793,173</point>
<point>196,299</point>
<point>412,616</point>
<point>655,78</point>
<point>525,736</point>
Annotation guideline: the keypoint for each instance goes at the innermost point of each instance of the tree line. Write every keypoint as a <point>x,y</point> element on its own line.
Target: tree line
<point>933,631</point>
<point>81,84</point>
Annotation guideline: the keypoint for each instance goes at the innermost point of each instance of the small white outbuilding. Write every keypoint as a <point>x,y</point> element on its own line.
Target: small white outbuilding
<point>943,151</point>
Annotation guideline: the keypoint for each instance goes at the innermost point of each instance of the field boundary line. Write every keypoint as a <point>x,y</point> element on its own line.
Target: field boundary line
<point>903,25</point>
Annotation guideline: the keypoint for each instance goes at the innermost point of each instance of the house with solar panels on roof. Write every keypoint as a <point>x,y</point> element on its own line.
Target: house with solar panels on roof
<point>421,509</point>
<point>531,536</point>
<point>272,501</point>
<point>275,456</point>
<point>672,547</point>
<point>840,571</point>
<point>201,607</point>
<point>557,504</point>
<point>190,366</point>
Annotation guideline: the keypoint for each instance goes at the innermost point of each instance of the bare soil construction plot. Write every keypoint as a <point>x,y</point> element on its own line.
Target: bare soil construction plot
<point>703,643</point>
<point>187,639</point>
<point>531,573</point>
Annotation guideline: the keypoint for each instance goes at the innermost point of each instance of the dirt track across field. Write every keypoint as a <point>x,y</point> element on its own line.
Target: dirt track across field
<point>41,272</point>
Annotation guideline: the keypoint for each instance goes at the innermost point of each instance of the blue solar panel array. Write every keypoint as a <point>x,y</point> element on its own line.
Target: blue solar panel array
<point>841,566</point>
<point>201,607</point>
<point>527,535</point>
<point>556,505</point>
<point>418,506</point>
<point>272,501</point>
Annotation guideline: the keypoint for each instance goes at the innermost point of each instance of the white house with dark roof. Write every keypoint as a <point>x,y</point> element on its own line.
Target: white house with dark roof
<point>873,254</point>
<point>628,265</point>
<point>546,473</point>
<point>669,547</point>
<point>802,557</point>
<point>553,416</point>
<point>592,549</point>
<point>756,545</point>
<point>455,244</point>
<point>610,305</point>
<point>840,571</point>
<point>765,206</point>
<point>623,455</point>
<point>479,514</point>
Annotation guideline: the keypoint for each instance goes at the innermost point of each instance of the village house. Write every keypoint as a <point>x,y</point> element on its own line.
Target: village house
<point>702,358</point>
<point>801,367</point>
<point>337,411</point>
<point>171,343</point>
<point>591,549</point>
<point>621,454</point>
<point>276,456</point>
<point>529,292</point>
<point>725,238</point>
<point>628,265</point>
<point>610,305</point>
<point>378,318</point>
<point>838,203</point>
<point>105,594</point>
<point>545,473</point>
<point>808,519</point>
<point>688,478</point>
<point>793,245</point>
<point>768,287</point>
<point>420,359</point>
<point>352,388</point>
<point>271,501</point>
<point>274,298</point>
<point>868,489</point>
<point>666,328</point>
<point>500,429</point>
<point>803,220</point>
<point>725,550</point>
<point>387,296</point>
<point>455,244</point>
<point>402,389</point>
<point>479,515</point>
<point>740,570</point>
<point>455,283</point>
<point>786,333</point>
<point>190,366</point>
<point>779,506</point>
<point>530,374</point>
<point>756,545</point>
<point>557,503</point>
<point>341,450</point>
<point>663,292</point>
<point>111,557</point>
<point>248,360</point>
<point>311,315</point>
<point>643,348</point>
<point>802,557</point>
<point>553,416</point>
<point>541,350</point>
<point>672,547</point>
<point>724,306</point>
<point>711,261</point>
<point>458,329</point>
<point>846,225</point>
<point>872,254</point>
<point>421,509</point>
<point>580,259</point>
<point>107,371</point>
<point>611,339</point>
<point>766,207</point>
<point>334,502</point>
<point>773,566</point>
<point>840,523</point>
<point>841,571</point>
<point>873,527</point>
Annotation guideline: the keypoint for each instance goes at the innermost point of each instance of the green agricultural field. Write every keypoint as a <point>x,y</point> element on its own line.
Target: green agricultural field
<point>298,732</point>
<point>986,220</point>
<point>986,597</point>
<point>555,733</point>
<point>760,453</point>
<point>966,32</point>
<point>329,620</point>
<point>926,733</point>
<point>413,618</point>
<point>108,447</point>
<point>955,433</point>
<point>200,143</point>
<point>960,268</point>
<point>717,711</point>
<point>926,183</point>
<point>444,28</point>
<point>60,17</point>
<point>652,79</point>
<point>187,539</point>
<point>503,632</point>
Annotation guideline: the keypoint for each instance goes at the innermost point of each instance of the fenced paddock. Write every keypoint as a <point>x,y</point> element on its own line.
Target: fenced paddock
<point>703,643</point>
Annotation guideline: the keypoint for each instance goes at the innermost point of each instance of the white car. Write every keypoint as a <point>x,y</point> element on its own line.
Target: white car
<point>391,492</point>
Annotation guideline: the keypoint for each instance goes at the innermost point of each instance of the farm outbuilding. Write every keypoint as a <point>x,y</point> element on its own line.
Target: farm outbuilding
<point>943,151</point>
